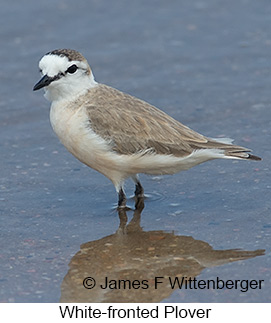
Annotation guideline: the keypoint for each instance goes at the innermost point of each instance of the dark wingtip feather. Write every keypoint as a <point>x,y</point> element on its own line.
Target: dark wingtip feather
<point>253,157</point>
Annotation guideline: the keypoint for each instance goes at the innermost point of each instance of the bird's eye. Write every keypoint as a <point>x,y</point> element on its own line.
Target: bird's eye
<point>72,69</point>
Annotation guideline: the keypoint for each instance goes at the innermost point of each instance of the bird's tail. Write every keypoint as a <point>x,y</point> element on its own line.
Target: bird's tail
<point>233,151</point>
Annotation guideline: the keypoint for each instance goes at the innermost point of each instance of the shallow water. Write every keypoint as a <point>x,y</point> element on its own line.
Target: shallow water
<point>205,64</point>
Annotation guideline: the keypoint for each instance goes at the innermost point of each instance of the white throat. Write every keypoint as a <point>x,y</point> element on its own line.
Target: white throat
<point>58,91</point>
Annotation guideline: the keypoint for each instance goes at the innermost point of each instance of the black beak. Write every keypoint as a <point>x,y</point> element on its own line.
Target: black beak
<point>44,81</point>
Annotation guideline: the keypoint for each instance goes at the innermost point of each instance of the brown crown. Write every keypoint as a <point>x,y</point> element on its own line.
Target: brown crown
<point>71,54</point>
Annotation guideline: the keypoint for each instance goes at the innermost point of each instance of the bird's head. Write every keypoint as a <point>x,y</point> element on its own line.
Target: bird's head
<point>65,75</point>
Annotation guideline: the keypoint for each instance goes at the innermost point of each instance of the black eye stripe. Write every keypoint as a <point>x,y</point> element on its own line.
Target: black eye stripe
<point>57,77</point>
<point>72,69</point>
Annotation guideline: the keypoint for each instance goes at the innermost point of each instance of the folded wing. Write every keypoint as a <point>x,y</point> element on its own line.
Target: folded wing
<point>132,126</point>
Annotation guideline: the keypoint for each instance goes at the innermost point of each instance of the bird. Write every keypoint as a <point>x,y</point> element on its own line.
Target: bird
<point>117,134</point>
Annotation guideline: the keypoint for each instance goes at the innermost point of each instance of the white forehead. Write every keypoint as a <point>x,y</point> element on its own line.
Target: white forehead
<point>51,64</point>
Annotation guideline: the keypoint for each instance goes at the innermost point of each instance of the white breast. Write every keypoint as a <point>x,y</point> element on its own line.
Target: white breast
<point>74,131</point>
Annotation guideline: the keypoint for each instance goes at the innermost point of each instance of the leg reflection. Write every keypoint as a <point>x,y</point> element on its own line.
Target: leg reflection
<point>134,224</point>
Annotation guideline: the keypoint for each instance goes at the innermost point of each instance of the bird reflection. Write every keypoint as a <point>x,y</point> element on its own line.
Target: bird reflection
<point>132,254</point>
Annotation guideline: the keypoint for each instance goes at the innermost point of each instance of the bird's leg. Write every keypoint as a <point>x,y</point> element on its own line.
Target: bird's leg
<point>122,198</point>
<point>139,191</point>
